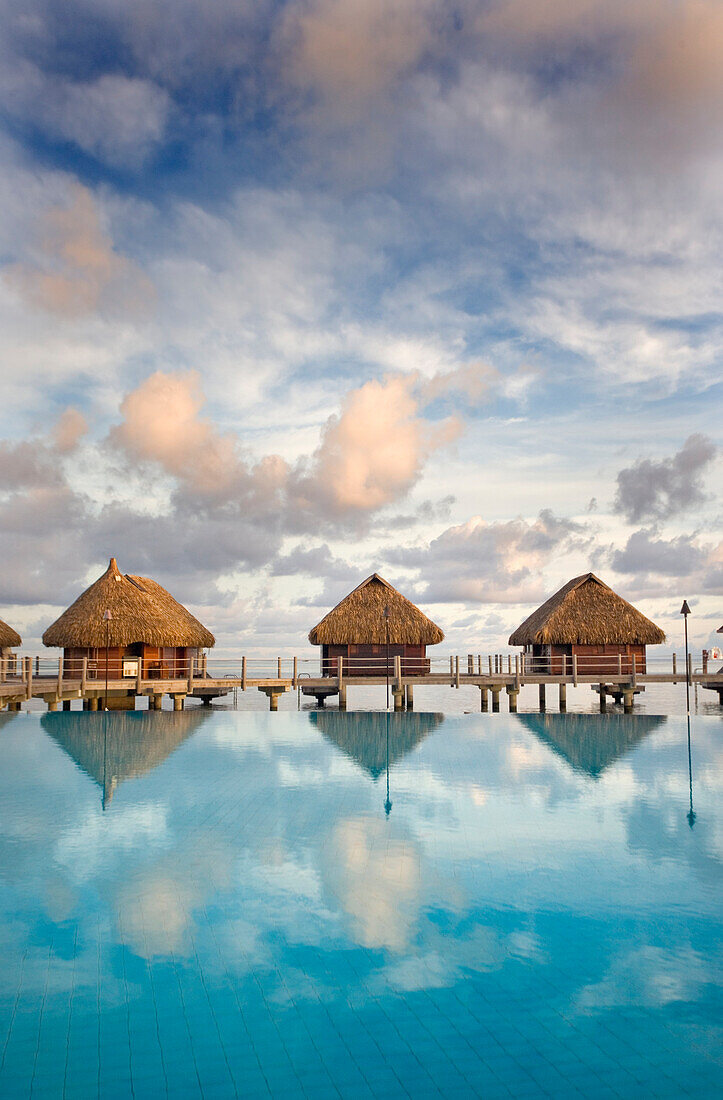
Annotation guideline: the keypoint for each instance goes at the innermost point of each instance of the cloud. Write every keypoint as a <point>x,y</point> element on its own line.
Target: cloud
<point>75,269</point>
<point>69,430</point>
<point>369,456</point>
<point>654,561</point>
<point>657,489</point>
<point>479,561</point>
<point>645,553</point>
<point>351,51</point>
<point>373,452</point>
<point>117,119</point>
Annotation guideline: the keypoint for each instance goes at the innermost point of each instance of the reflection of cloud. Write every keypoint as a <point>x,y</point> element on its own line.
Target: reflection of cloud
<point>155,907</point>
<point>377,880</point>
<point>87,846</point>
<point>651,977</point>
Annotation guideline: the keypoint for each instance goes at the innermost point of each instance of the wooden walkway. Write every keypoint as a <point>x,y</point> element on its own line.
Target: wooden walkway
<point>28,679</point>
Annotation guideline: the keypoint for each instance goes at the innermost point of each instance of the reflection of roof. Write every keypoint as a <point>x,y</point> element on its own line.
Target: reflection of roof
<point>141,609</point>
<point>586,611</point>
<point>359,619</point>
<point>592,742</point>
<point>362,735</point>
<point>111,747</point>
<point>8,636</point>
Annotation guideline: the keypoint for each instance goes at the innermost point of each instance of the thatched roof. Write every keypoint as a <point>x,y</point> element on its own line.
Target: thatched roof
<point>8,636</point>
<point>587,612</point>
<point>362,735</point>
<point>141,610</point>
<point>590,743</point>
<point>113,747</point>
<point>359,619</point>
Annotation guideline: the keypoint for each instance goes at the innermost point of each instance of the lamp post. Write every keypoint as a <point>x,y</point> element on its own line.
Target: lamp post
<point>685,612</point>
<point>106,619</point>
<point>386,624</point>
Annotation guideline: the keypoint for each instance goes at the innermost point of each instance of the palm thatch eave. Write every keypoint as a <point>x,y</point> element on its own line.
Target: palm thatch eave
<point>359,619</point>
<point>8,636</point>
<point>586,611</point>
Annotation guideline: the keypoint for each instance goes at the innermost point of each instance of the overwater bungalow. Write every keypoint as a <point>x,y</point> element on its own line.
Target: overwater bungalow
<point>9,638</point>
<point>146,630</point>
<point>370,627</point>
<point>587,620</point>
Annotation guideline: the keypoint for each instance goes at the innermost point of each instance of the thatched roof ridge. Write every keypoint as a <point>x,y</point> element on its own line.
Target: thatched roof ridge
<point>141,609</point>
<point>8,636</point>
<point>586,611</point>
<point>359,619</point>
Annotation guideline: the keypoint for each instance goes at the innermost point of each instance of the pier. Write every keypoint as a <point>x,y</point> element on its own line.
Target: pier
<point>497,677</point>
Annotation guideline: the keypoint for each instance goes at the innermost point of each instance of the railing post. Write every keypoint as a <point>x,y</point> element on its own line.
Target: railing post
<point>620,664</point>
<point>28,677</point>
<point>84,677</point>
<point>340,672</point>
<point>451,668</point>
<point>204,665</point>
<point>470,665</point>
<point>634,677</point>
<point>574,669</point>
<point>675,665</point>
<point>139,676</point>
<point>190,680</point>
<point>398,671</point>
<point>278,668</point>
<point>489,662</point>
<point>60,674</point>
<point>296,672</point>
<point>243,674</point>
<point>456,672</point>
<point>37,666</point>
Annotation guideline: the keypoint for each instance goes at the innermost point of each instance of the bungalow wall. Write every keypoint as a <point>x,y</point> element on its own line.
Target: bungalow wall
<point>592,660</point>
<point>156,662</point>
<point>371,660</point>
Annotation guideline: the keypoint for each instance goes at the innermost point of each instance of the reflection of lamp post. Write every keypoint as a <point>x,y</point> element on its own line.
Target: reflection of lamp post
<point>388,802</point>
<point>691,812</point>
<point>386,624</point>
<point>106,619</point>
<point>685,612</point>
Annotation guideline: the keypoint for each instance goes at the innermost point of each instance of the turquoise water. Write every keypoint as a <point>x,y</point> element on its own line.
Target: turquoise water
<point>329,904</point>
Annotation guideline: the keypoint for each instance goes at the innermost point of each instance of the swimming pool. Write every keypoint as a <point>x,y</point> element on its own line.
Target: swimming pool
<point>359,904</point>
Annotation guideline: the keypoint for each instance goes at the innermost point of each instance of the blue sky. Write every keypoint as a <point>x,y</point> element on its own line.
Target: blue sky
<point>292,292</point>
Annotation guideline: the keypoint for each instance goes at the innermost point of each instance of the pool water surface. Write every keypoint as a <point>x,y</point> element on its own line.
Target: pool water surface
<point>216,903</point>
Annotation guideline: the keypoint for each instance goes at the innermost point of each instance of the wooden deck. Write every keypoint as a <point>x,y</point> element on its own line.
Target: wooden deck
<point>31,679</point>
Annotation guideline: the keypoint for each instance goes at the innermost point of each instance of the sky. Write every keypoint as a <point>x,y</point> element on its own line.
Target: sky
<point>293,292</point>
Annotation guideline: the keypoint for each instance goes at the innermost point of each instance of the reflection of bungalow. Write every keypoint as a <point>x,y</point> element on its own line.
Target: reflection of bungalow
<point>8,639</point>
<point>363,735</point>
<point>148,631</point>
<point>592,742</point>
<point>588,620</point>
<point>371,624</point>
<point>114,747</point>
